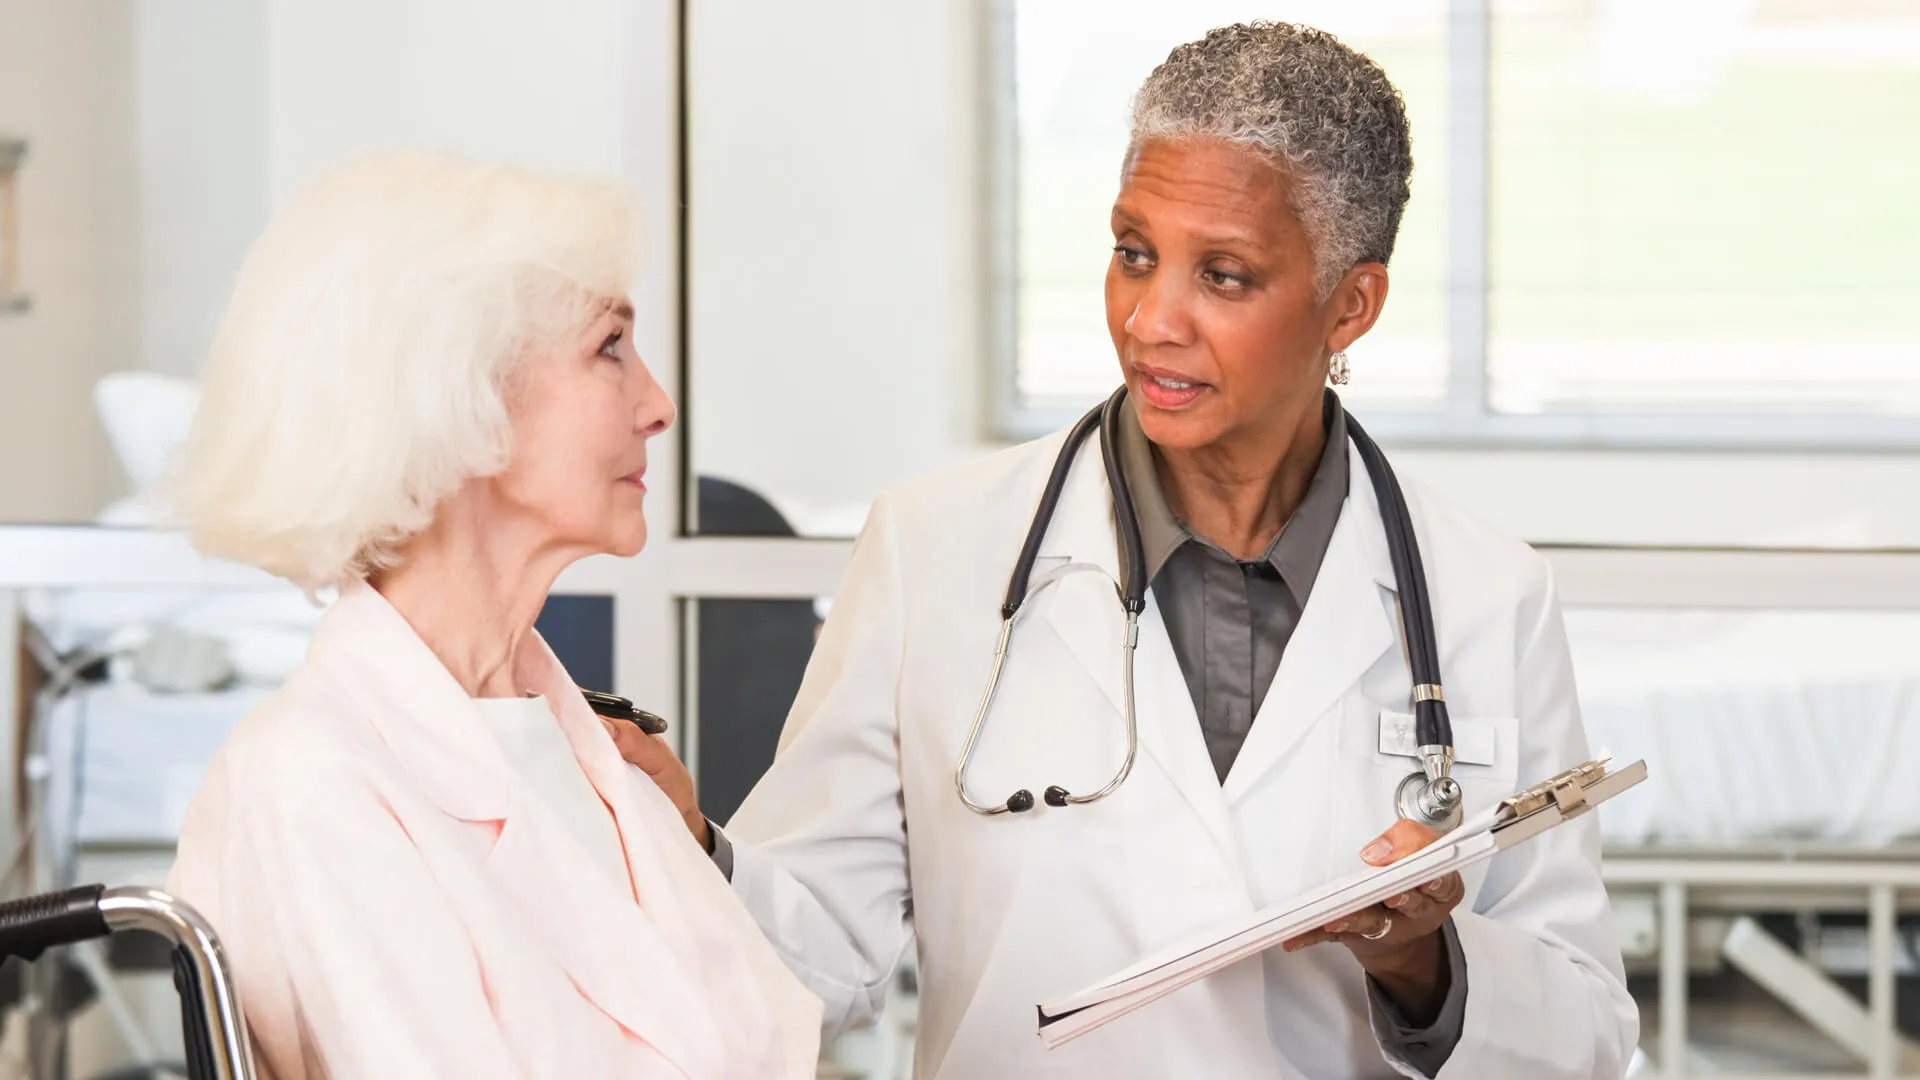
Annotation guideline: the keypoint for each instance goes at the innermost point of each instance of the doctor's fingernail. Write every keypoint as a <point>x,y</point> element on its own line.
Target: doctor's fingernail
<point>1377,850</point>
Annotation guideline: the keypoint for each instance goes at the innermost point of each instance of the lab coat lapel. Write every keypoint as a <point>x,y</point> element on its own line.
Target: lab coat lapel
<point>1082,608</point>
<point>1348,624</point>
<point>1093,626</point>
<point>1170,731</point>
<point>441,741</point>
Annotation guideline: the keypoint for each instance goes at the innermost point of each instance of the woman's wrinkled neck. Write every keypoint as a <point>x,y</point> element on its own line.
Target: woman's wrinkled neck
<point>471,585</point>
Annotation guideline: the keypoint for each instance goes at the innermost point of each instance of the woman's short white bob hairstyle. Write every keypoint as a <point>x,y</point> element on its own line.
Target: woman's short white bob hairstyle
<point>365,365</point>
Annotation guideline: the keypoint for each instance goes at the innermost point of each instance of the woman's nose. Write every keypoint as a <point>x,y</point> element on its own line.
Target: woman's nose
<point>1159,315</point>
<point>655,411</point>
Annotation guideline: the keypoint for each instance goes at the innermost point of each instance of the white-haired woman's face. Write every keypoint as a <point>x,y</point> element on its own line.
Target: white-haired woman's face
<point>582,415</point>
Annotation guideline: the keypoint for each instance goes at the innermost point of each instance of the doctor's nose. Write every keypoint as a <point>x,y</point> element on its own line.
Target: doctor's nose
<point>1160,317</point>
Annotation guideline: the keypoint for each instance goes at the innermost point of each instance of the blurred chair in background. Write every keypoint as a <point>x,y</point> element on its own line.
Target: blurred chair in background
<point>752,654</point>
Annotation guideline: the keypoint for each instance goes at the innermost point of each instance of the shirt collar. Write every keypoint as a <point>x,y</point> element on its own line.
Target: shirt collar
<point>1295,553</point>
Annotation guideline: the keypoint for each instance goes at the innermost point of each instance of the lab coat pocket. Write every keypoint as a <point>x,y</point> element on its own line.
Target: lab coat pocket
<point>1374,744</point>
<point>1486,748</point>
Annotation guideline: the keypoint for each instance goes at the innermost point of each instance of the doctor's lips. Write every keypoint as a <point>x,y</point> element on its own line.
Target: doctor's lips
<point>1167,389</point>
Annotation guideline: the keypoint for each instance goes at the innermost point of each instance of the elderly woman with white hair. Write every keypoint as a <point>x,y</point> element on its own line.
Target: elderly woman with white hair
<point>424,853</point>
<point>1257,211</point>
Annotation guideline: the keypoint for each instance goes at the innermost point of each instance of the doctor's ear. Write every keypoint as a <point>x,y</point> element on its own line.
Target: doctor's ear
<point>1355,305</point>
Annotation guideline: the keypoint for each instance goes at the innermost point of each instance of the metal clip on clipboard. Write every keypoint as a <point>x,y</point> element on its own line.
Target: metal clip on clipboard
<point>1526,814</point>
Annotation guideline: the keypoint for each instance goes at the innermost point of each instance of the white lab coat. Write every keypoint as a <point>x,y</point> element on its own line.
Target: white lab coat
<point>856,827</point>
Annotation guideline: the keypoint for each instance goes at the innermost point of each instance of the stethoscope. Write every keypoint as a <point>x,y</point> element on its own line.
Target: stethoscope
<point>1430,795</point>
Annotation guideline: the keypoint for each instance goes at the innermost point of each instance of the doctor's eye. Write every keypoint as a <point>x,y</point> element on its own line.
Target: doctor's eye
<point>1224,279</point>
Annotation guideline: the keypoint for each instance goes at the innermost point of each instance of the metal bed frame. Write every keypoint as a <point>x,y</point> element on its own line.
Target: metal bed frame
<point>1683,885</point>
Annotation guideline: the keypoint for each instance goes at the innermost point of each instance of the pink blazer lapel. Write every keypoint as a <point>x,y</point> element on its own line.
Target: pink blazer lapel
<point>370,652</point>
<point>674,920</point>
<point>608,945</point>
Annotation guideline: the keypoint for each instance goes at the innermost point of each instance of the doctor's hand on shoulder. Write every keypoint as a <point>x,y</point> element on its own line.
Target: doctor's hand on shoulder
<point>1398,942</point>
<point>655,758</point>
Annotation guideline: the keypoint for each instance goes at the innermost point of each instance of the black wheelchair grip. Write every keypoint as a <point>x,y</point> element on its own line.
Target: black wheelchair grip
<point>33,924</point>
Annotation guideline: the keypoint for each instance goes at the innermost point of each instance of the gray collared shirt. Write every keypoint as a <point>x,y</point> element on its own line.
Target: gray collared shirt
<point>1230,621</point>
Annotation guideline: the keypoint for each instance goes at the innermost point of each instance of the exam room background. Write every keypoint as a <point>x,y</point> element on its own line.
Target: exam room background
<point>840,267</point>
<point>836,321</point>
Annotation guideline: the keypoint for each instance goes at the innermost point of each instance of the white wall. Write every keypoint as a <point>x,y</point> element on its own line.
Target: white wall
<point>535,83</point>
<point>201,134</point>
<point>164,131</point>
<point>1814,500</point>
<point>835,249</point>
<point>66,87</point>
<point>837,246</point>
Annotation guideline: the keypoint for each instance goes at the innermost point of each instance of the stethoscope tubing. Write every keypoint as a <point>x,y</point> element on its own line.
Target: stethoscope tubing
<point>1433,729</point>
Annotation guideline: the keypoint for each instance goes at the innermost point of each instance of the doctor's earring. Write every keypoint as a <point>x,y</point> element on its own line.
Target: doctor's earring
<point>1337,369</point>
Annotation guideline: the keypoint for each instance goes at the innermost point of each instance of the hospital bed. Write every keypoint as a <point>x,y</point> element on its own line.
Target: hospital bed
<point>1779,833</point>
<point>129,659</point>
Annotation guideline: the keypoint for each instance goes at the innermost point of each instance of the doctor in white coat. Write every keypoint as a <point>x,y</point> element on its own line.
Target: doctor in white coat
<point>1257,210</point>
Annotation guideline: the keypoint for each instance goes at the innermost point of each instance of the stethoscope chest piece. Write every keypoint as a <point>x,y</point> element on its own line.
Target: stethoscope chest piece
<point>1430,795</point>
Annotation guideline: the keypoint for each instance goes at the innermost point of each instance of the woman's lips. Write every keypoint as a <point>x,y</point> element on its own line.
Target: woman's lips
<point>1169,391</point>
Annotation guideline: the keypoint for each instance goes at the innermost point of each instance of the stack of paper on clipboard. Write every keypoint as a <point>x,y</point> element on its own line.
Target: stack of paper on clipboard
<point>1512,821</point>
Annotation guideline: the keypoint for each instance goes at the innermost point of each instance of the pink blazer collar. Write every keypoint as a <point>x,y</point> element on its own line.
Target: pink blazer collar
<point>676,930</point>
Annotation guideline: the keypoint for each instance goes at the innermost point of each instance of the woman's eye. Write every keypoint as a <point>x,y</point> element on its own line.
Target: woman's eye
<point>1131,256</point>
<point>610,348</point>
<point>1223,279</point>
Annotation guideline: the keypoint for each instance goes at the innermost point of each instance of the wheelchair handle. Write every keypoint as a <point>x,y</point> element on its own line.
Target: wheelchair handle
<point>33,924</point>
<point>212,1020</point>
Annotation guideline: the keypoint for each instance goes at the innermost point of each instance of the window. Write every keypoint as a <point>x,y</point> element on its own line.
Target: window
<point>1631,222</point>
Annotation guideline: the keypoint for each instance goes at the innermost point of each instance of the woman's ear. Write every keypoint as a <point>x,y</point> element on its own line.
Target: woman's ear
<point>1356,304</point>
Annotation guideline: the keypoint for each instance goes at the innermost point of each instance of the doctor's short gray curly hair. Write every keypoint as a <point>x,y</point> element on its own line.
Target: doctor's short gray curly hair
<point>1323,113</point>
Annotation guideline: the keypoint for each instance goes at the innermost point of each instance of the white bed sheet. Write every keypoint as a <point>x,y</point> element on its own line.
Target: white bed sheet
<point>124,763</point>
<point>1757,727</point>
<point>264,631</point>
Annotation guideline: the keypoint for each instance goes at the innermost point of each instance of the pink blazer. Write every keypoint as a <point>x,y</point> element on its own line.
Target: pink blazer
<point>397,902</point>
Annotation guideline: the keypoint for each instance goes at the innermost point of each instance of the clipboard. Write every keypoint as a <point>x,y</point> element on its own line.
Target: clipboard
<point>1512,821</point>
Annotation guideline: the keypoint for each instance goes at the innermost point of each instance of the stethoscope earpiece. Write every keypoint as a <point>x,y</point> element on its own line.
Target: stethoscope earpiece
<point>1020,801</point>
<point>1056,796</point>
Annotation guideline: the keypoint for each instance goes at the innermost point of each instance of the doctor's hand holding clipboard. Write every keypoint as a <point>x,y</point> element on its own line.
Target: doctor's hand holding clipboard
<point>1090,696</point>
<point>1399,942</point>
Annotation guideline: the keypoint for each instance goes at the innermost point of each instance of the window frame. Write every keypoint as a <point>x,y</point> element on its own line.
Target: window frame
<point>1465,418</point>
